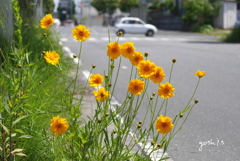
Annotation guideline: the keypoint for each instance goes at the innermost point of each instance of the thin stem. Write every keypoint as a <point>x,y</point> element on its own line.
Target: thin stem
<point>78,64</point>
<point>171,72</point>
<point>193,93</point>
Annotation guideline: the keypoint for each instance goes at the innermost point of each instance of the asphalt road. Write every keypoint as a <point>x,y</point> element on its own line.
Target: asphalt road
<point>215,119</point>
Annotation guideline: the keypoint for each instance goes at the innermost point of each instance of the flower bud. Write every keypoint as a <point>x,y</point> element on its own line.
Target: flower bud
<point>106,114</point>
<point>119,33</point>
<point>146,54</point>
<point>43,52</point>
<point>140,122</point>
<point>44,34</point>
<point>151,98</point>
<point>112,66</point>
<point>40,82</point>
<point>74,56</point>
<point>153,94</point>
<point>106,76</point>
<point>195,101</point>
<point>93,66</point>
<point>174,60</point>
<point>139,126</point>
<point>181,115</point>
<point>99,121</point>
<point>159,145</point>
<point>109,85</point>
<point>152,143</point>
<point>19,66</point>
<point>114,131</point>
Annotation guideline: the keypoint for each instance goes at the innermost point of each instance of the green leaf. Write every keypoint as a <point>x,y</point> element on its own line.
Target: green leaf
<point>164,158</point>
<point>17,120</point>
<point>185,110</point>
<point>4,128</point>
<point>26,136</point>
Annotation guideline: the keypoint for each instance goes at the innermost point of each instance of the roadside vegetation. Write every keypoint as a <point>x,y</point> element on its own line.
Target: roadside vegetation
<point>41,100</point>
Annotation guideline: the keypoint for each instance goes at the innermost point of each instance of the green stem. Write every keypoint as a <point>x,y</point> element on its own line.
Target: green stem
<point>78,64</point>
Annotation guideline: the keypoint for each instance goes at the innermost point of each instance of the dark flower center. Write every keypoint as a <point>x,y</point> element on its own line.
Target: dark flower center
<point>135,87</point>
<point>164,124</point>
<point>114,50</point>
<point>59,126</point>
<point>80,33</point>
<point>146,68</point>
<point>129,50</point>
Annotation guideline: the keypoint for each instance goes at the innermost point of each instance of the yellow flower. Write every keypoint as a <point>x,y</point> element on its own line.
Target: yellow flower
<point>113,50</point>
<point>127,49</point>
<point>80,33</point>
<point>58,125</point>
<point>159,76</point>
<point>146,68</point>
<point>46,21</point>
<point>136,86</point>
<point>164,124</point>
<point>166,90</point>
<point>101,94</point>
<point>136,58</point>
<point>52,57</point>
<point>200,73</point>
<point>95,80</point>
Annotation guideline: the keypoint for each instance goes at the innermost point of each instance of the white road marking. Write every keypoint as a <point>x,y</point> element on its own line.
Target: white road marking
<point>104,38</point>
<point>165,39</point>
<point>114,39</point>
<point>135,38</point>
<point>64,39</point>
<point>92,39</point>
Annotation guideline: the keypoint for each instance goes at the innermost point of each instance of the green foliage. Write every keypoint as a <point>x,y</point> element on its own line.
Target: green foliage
<point>234,36</point>
<point>127,5</point>
<point>26,8</point>
<point>200,11</point>
<point>206,29</point>
<point>105,6</point>
<point>161,6</point>
<point>48,6</point>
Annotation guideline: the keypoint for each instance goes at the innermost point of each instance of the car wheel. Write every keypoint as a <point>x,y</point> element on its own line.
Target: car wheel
<point>150,33</point>
<point>122,31</point>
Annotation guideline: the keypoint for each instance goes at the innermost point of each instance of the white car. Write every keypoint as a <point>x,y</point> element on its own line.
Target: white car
<point>135,26</point>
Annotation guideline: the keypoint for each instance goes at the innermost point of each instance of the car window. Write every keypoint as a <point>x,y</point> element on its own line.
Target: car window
<point>128,22</point>
<point>138,22</point>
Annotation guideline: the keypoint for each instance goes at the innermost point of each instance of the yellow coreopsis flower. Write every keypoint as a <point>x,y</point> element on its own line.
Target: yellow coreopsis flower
<point>200,74</point>
<point>127,49</point>
<point>164,124</point>
<point>113,50</point>
<point>95,80</point>
<point>101,94</point>
<point>166,90</point>
<point>136,58</point>
<point>52,57</point>
<point>46,21</point>
<point>146,68</point>
<point>136,86</point>
<point>159,76</point>
<point>81,33</point>
<point>58,125</point>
